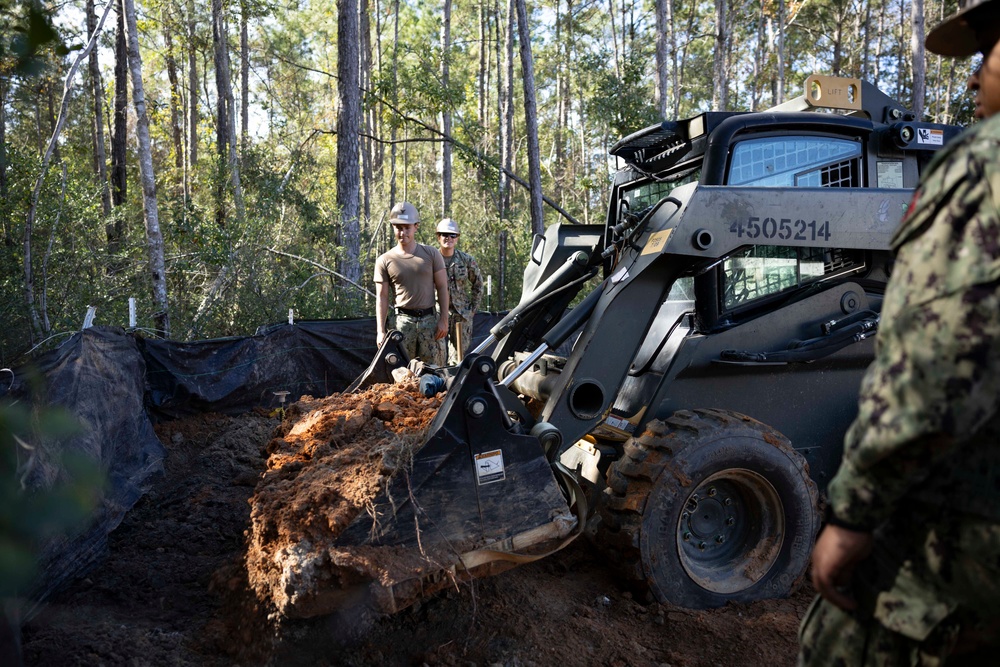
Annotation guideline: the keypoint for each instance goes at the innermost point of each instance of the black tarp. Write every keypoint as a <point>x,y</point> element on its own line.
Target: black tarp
<point>99,376</point>
<point>234,375</point>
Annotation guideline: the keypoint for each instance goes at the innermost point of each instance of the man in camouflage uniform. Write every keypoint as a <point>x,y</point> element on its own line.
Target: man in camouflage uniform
<point>908,566</point>
<point>415,273</point>
<point>465,289</point>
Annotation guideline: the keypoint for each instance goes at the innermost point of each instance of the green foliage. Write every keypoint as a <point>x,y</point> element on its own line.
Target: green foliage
<point>26,31</point>
<point>621,103</point>
<point>594,79</point>
<point>29,516</point>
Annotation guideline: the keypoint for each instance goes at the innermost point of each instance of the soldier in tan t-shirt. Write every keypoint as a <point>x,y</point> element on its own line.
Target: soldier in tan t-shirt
<point>415,273</point>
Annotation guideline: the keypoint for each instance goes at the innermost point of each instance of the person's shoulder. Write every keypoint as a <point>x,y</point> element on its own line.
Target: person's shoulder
<point>982,142</point>
<point>428,249</point>
<point>973,154</point>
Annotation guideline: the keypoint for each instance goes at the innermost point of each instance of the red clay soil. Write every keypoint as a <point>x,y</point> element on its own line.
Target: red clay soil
<point>175,589</point>
<point>332,458</point>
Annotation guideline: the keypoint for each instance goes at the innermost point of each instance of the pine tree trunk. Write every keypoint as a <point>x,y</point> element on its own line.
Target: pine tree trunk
<point>119,135</point>
<point>530,118</point>
<point>919,57</point>
<point>760,62</point>
<point>482,75</point>
<point>662,25</point>
<point>395,100</point>
<point>779,93</point>
<point>484,58</point>
<point>507,114</point>
<point>348,129</point>
<point>367,172</point>
<point>616,54</point>
<point>684,53</point>
<point>176,131</point>
<point>154,238</point>
<point>244,76</point>
<point>221,116</point>
<point>877,66</point>
<point>571,164</point>
<point>100,152</point>
<point>226,120</point>
<point>720,89</point>
<point>192,88</point>
<point>866,43</point>
<point>838,47</point>
<point>446,114</point>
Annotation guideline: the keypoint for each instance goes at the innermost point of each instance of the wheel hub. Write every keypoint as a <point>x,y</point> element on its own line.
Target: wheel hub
<point>730,531</point>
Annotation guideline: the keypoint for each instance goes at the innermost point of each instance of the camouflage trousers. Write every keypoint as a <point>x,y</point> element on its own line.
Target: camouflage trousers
<point>928,596</point>
<point>418,338</point>
<point>458,329</point>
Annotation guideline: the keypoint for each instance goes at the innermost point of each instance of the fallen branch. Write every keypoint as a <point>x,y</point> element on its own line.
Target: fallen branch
<point>322,268</point>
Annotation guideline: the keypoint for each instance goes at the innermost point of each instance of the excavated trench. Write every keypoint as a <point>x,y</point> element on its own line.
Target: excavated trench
<point>213,566</point>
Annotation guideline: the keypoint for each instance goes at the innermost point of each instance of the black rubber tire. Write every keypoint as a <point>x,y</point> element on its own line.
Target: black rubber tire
<point>709,507</point>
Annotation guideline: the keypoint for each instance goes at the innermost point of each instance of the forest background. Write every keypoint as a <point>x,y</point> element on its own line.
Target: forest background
<point>224,163</point>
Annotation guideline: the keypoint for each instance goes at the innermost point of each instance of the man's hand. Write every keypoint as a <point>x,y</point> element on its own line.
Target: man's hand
<point>442,327</point>
<point>379,337</point>
<point>835,556</point>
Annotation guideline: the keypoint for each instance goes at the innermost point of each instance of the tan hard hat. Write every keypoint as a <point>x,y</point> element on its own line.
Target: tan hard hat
<point>956,36</point>
<point>404,213</point>
<point>447,226</point>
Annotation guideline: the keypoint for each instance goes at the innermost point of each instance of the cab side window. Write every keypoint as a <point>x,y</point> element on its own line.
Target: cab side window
<point>761,271</point>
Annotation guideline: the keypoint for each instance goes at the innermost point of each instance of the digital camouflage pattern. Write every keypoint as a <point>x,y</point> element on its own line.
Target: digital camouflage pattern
<point>418,338</point>
<point>922,460</point>
<point>465,292</point>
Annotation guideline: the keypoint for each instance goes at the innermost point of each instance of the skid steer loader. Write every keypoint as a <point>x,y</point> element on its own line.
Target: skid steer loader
<point>734,293</point>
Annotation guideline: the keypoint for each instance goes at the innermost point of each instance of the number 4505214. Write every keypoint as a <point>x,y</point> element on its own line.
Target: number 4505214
<point>781,228</point>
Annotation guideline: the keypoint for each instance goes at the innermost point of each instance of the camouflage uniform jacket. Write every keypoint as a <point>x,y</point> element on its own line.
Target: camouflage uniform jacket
<point>465,285</point>
<point>926,441</point>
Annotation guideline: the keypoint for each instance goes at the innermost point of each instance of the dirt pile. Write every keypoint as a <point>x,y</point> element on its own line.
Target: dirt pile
<point>330,459</point>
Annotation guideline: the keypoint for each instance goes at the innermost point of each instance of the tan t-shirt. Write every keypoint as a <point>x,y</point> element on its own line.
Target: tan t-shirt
<point>410,276</point>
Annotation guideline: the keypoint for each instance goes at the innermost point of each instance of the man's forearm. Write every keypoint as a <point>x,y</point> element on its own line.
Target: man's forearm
<point>381,312</point>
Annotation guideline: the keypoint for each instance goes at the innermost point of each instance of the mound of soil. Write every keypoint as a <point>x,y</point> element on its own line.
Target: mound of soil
<point>175,589</point>
<point>331,458</point>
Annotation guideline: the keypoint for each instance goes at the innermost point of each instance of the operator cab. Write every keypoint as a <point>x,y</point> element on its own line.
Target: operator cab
<point>841,133</point>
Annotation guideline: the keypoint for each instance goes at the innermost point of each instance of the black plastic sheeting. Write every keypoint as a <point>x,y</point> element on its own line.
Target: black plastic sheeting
<point>235,375</point>
<point>118,384</point>
<point>99,376</point>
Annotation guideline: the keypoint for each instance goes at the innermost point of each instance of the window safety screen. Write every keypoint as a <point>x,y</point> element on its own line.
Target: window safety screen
<point>805,162</point>
<point>648,194</point>
<point>761,271</point>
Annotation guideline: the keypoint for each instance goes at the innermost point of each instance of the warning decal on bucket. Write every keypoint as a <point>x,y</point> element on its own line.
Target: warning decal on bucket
<point>489,467</point>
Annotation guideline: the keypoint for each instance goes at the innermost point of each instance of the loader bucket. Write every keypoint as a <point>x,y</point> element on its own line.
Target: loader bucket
<point>478,497</point>
<point>389,357</point>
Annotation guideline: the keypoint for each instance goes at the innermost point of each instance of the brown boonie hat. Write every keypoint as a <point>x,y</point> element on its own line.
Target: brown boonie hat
<point>403,213</point>
<point>955,36</point>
